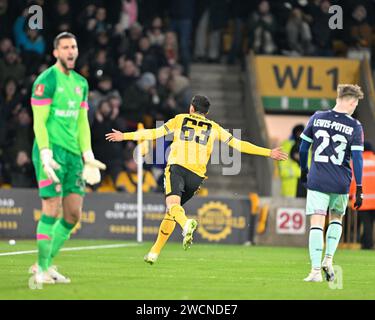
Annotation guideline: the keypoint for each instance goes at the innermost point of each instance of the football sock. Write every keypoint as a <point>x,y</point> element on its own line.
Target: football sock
<point>44,239</point>
<point>166,228</point>
<point>316,243</point>
<point>178,214</point>
<point>333,237</point>
<point>61,232</point>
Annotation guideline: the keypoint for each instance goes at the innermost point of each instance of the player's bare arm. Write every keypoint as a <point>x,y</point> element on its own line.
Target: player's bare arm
<point>278,154</point>
<point>115,136</point>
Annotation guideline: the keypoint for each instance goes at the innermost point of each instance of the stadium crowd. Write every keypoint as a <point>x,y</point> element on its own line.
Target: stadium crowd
<point>136,56</point>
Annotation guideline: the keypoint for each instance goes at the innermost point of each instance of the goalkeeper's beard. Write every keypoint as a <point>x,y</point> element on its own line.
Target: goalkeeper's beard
<point>65,66</point>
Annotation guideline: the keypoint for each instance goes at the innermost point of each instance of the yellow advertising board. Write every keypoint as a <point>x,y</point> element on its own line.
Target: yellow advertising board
<point>289,83</point>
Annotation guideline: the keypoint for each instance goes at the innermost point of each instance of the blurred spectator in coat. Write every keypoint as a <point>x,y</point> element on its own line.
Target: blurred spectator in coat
<point>5,46</point>
<point>262,28</point>
<point>140,101</point>
<point>99,66</point>
<point>298,34</point>
<point>28,39</point>
<point>61,17</point>
<point>11,102</point>
<point>103,91</point>
<point>20,134</point>
<point>149,58</point>
<point>181,92</point>
<point>289,170</point>
<point>171,48</point>
<point>209,30</point>
<point>366,212</point>
<point>240,12</point>
<point>6,18</point>
<point>167,107</point>
<point>126,76</point>
<point>109,153</point>
<point>360,34</point>
<point>11,66</point>
<point>182,13</point>
<point>128,15</point>
<point>322,35</point>
<point>156,32</point>
<point>22,171</point>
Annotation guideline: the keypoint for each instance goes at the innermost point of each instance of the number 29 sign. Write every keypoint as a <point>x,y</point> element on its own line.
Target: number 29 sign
<point>290,221</point>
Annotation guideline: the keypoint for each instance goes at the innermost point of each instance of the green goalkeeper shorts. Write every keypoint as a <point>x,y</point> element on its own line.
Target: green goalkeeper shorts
<point>319,202</point>
<point>70,173</point>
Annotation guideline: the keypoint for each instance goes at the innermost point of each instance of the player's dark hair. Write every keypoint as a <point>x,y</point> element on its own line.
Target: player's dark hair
<point>62,35</point>
<point>201,104</point>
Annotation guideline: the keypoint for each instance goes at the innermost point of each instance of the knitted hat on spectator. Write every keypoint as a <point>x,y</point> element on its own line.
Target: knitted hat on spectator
<point>147,80</point>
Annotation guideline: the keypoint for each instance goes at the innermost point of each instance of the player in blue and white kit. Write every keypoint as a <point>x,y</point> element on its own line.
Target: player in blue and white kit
<point>335,137</point>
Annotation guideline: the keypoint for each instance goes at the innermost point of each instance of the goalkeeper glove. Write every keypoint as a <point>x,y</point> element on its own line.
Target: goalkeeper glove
<point>358,198</point>
<point>91,173</point>
<point>49,165</point>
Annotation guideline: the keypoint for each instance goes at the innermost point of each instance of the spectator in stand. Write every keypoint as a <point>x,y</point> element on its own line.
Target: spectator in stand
<point>127,180</point>
<point>28,39</point>
<point>6,19</point>
<point>20,134</point>
<point>128,15</point>
<point>150,59</point>
<point>11,100</point>
<point>150,9</point>
<point>22,171</point>
<point>6,45</point>
<point>181,92</point>
<point>289,170</point>
<point>95,24</point>
<point>155,33</point>
<point>167,107</point>
<point>127,75</point>
<point>131,43</point>
<point>240,12</point>
<point>360,34</point>
<point>171,48</point>
<point>61,19</point>
<point>210,26</point>
<point>103,41</point>
<point>88,14</point>
<point>11,66</point>
<point>99,22</point>
<point>109,153</point>
<point>262,28</point>
<point>313,10</point>
<point>103,91</point>
<point>322,35</point>
<point>366,213</point>
<point>140,99</point>
<point>102,64</point>
<point>299,34</point>
<point>182,14</point>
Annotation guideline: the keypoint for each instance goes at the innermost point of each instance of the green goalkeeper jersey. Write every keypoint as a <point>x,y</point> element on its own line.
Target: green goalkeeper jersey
<point>59,103</point>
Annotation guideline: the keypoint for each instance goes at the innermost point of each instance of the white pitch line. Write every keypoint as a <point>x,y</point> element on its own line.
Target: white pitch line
<point>105,246</point>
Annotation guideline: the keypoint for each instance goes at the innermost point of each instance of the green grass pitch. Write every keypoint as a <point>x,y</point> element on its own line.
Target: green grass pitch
<point>205,271</point>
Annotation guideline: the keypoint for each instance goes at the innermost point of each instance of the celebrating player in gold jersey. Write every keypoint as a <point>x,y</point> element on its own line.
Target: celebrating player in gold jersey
<point>193,140</point>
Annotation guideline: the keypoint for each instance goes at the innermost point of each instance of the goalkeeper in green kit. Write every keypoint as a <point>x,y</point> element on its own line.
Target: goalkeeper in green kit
<point>62,154</point>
